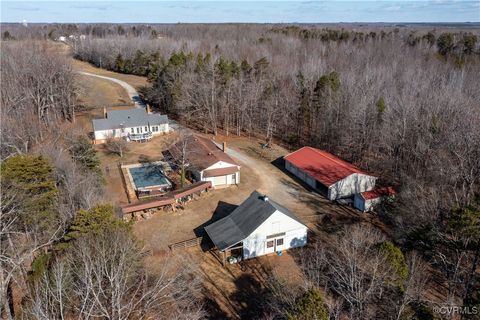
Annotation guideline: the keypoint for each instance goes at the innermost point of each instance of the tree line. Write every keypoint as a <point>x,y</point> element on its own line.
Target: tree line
<point>405,109</point>
<point>405,112</point>
<point>64,253</point>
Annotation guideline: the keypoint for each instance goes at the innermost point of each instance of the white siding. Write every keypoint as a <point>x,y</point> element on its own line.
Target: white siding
<point>354,183</point>
<point>228,178</point>
<point>105,134</point>
<point>370,204</point>
<point>295,235</point>
<point>220,180</point>
<point>162,128</point>
<point>220,164</point>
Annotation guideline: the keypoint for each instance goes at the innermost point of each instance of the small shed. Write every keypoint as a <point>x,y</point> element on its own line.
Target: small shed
<point>328,174</point>
<point>257,227</point>
<point>366,201</point>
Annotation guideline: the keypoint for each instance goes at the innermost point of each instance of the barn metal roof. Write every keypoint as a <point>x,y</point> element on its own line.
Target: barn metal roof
<point>137,117</point>
<point>321,165</point>
<point>244,220</point>
<point>378,192</point>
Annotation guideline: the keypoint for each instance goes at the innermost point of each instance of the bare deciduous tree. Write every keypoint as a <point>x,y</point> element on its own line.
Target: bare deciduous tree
<point>116,145</point>
<point>103,276</point>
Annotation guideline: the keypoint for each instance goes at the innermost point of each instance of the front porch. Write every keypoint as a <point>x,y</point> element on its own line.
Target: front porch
<point>232,255</point>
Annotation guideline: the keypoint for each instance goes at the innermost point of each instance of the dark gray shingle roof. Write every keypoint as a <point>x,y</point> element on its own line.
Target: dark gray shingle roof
<point>128,118</point>
<point>244,220</point>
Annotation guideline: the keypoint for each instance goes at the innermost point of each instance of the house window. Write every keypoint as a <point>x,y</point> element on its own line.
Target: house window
<point>122,129</point>
<point>154,128</point>
<point>139,130</point>
<point>269,244</point>
<point>280,242</point>
<point>146,129</point>
<point>114,132</point>
<point>132,130</point>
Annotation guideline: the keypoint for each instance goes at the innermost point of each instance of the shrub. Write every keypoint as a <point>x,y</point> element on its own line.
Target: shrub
<point>308,306</point>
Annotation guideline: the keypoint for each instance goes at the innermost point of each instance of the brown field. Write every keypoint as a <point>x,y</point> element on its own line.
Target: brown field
<point>97,93</point>
<point>133,80</point>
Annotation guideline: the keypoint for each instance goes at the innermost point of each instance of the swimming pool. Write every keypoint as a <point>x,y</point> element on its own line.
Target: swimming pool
<point>149,176</point>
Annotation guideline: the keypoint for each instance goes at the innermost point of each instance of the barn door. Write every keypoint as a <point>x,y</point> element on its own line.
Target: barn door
<point>270,246</point>
<point>279,244</point>
<point>274,245</point>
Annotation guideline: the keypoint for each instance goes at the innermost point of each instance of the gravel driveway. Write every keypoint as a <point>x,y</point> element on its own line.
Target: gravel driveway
<point>132,93</point>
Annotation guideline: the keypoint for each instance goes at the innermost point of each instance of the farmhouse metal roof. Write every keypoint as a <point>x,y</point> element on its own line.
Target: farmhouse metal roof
<point>378,192</point>
<point>244,220</point>
<point>321,165</point>
<point>137,117</point>
<point>201,152</point>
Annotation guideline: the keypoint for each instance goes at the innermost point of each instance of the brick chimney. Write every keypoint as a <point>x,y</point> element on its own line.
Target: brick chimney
<point>224,146</point>
<point>105,112</point>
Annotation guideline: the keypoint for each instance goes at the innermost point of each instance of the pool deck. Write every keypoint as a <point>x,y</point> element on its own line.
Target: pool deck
<point>128,180</point>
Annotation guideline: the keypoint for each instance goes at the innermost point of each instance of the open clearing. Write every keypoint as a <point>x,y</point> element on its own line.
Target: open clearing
<point>236,290</point>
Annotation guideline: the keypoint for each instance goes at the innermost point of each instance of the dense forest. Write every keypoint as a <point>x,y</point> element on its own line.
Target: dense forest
<point>64,253</point>
<point>401,102</point>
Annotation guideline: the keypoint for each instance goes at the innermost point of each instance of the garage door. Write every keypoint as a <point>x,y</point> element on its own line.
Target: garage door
<point>220,180</point>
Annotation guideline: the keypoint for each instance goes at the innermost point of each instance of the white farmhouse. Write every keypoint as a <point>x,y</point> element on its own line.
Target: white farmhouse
<point>328,174</point>
<point>257,227</point>
<point>206,161</point>
<point>132,125</point>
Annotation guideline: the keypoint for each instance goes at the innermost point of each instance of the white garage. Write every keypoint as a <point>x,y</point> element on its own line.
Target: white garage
<point>207,162</point>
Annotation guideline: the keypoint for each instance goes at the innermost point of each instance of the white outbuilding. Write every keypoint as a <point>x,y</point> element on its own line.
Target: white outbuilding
<point>206,161</point>
<point>257,227</point>
<point>366,201</point>
<point>328,174</point>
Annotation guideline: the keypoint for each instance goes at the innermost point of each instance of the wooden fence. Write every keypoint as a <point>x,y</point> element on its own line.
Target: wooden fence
<point>185,244</point>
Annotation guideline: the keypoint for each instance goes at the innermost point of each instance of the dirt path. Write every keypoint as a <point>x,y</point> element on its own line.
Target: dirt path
<point>131,91</point>
<point>270,182</point>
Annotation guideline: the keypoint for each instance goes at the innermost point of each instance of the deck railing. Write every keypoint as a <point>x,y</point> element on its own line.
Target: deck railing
<point>140,136</point>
